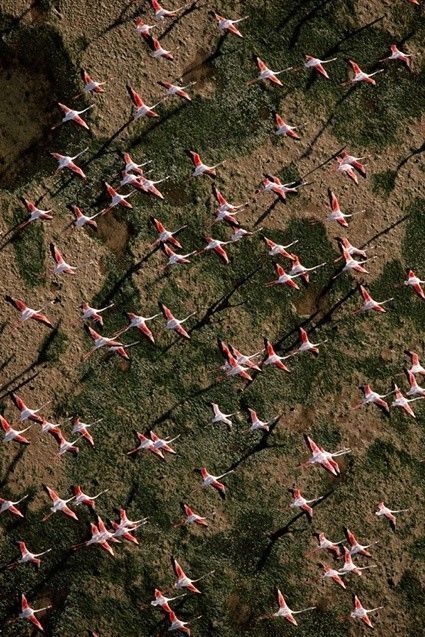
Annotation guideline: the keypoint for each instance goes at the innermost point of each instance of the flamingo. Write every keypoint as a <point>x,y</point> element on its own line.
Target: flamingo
<point>306,344</point>
<point>145,444</point>
<point>344,244</point>
<point>370,303</point>
<point>276,249</point>
<point>416,367</point>
<point>80,219</point>
<point>346,169</point>
<point>371,396</point>
<point>27,312</point>
<point>267,74</point>
<point>283,278</point>
<point>355,547</point>
<point>142,28</point>
<point>61,267</point>
<point>226,210</point>
<point>274,359</point>
<point>208,480</point>
<point>256,423</point>
<point>317,64</point>
<point>178,624</point>
<point>384,511</point>
<point>336,214</point>
<point>229,26</point>
<point>49,427</point>
<point>9,505</point>
<point>92,313</point>
<point>286,612</point>
<point>26,412</point>
<point>127,523</point>
<point>98,537</point>
<point>130,165</point>
<point>200,167</point>
<point>79,427</point>
<point>90,85</point>
<point>361,76</point>
<point>161,13</point>
<point>29,613</point>
<point>175,89</point>
<point>64,444</point>
<point>162,444</point>
<point>403,402</point>
<point>173,323</point>
<point>322,457</point>
<point>362,613</point>
<point>414,389</point>
<point>220,416</point>
<point>351,263</point>
<point>183,581</point>
<point>299,502</point>
<point>298,269</point>
<point>174,258</point>
<point>149,186</point>
<point>349,566</point>
<point>163,602</point>
<point>191,517</point>
<point>326,545</point>
<point>164,235</point>
<point>233,368</point>
<point>121,531</point>
<point>59,505</point>
<point>334,575</point>
<point>71,115</point>
<point>273,184</point>
<point>117,199</point>
<point>282,128</point>
<point>396,54</point>
<point>416,283</point>
<point>240,233</point>
<point>13,434</point>
<point>160,52</point>
<point>217,246</point>
<point>139,322</point>
<point>66,161</point>
<point>355,162</point>
<point>35,214</point>
<point>242,359</point>
<point>83,498</point>
<point>140,108</point>
<point>104,341</point>
<point>28,556</point>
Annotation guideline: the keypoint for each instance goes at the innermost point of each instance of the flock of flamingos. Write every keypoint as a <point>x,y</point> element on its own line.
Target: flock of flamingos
<point>235,364</point>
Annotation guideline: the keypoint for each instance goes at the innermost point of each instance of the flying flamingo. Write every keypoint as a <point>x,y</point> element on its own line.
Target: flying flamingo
<point>299,502</point>
<point>208,480</point>
<point>389,514</point>
<point>149,186</point>
<point>66,161</point>
<point>267,74</point>
<point>307,345</point>
<point>98,537</point>
<point>416,283</point>
<point>285,612</point>
<point>316,64</point>
<point>224,208</point>
<point>240,233</point>
<point>13,434</point>
<point>103,341</point>
<point>403,402</point>
<point>80,219</point>
<point>362,613</point>
<point>323,544</point>
<point>396,54</point>
<point>355,162</point>
<point>219,416</point>
<point>161,13</point>
<point>61,267</point>
<point>276,249</point>
<point>273,184</point>
<point>65,446</point>
<point>229,26</point>
<point>283,278</point>
<point>344,244</point>
<point>59,505</point>
<point>35,214</point>
<point>26,412</point>
<point>351,263</point>
<point>163,602</point>
<point>175,89</point>
<point>217,246</point>
<point>274,359</point>
<point>336,214</point>
<point>173,323</point>
<point>370,303</point>
<point>27,556</point>
<point>28,613</point>
<point>9,505</point>
<point>200,167</point>
<point>79,427</point>
<point>140,108</point>
<point>92,313</point>
<point>161,444</point>
<point>350,567</point>
<point>143,29</point>
<point>71,115</point>
<point>27,312</point>
<point>243,359</point>
<point>145,444</point>
<point>129,524</point>
<point>282,128</point>
<point>233,368</point>
<point>90,85</point>
<point>117,199</point>
<point>334,575</point>
<point>416,367</point>
<point>183,581</point>
<point>298,269</point>
<point>139,322</point>
<point>371,396</point>
<point>256,423</point>
<point>130,165</point>
<point>361,76</point>
<point>191,517</point>
<point>160,52</point>
<point>355,547</point>
<point>122,531</point>
<point>164,235</point>
<point>414,389</point>
<point>178,624</point>
<point>83,498</point>
<point>174,258</point>
<point>322,457</point>
<point>346,169</point>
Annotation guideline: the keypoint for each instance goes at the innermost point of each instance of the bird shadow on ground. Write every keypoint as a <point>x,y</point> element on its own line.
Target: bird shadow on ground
<point>303,21</point>
<point>261,445</point>
<point>192,7</point>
